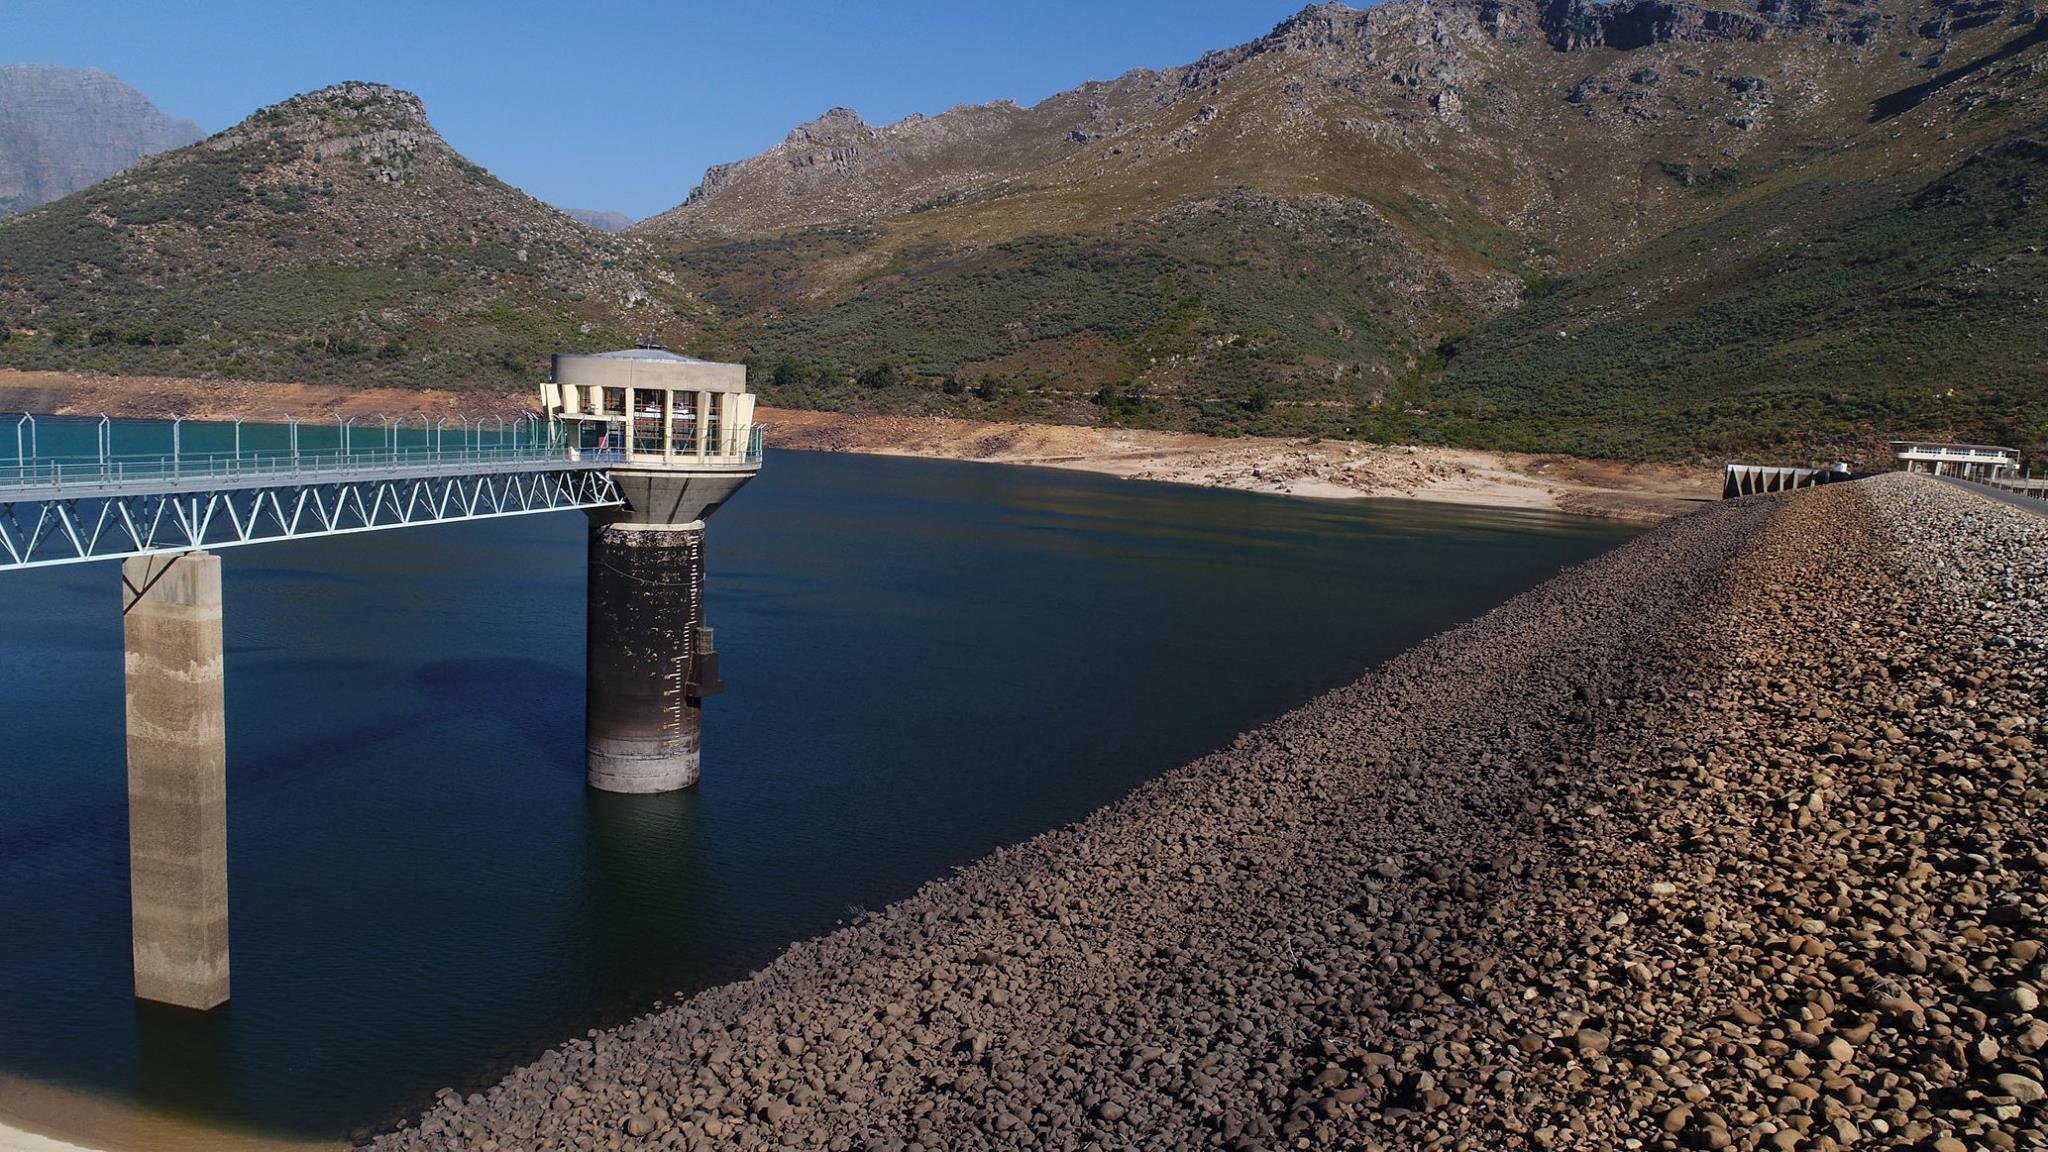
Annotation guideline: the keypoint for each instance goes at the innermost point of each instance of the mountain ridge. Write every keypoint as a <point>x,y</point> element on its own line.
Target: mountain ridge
<point>1507,149</point>
<point>1645,228</point>
<point>332,235</point>
<point>601,219</point>
<point>64,129</point>
<point>1109,116</point>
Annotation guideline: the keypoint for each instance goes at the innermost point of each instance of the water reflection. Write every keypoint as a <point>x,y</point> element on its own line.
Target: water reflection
<point>645,882</point>
<point>182,1057</point>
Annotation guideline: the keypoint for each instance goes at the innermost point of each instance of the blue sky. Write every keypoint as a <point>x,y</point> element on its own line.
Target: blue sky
<point>613,105</point>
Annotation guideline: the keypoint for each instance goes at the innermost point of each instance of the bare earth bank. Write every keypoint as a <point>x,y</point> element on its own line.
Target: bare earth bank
<point>1294,467</point>
<point>1254,464</point>
<point>161,397</point>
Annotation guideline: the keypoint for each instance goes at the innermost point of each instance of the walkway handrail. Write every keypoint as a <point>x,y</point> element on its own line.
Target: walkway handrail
<point>2037,489</point>
<point>54,475</point>
<point>33,477</point>
<point>71,509</point>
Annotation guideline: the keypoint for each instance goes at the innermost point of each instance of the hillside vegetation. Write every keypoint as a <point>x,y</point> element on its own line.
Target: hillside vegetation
<point>1859,310</point>
<point>334,237</point>
<point>1636,229</point>
<point>1643,228</point>
<point>1164,320</point>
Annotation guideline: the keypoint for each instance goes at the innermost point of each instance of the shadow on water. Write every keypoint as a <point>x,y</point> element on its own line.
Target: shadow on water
<point>534,699</point>
<point>523,695</point>
<point>182,1056</point>
<point>639,889</point>
<point>444,687</point>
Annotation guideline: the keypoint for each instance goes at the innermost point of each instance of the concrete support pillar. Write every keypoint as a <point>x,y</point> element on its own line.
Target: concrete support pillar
<point>646,604</point>
<point>177,778</point>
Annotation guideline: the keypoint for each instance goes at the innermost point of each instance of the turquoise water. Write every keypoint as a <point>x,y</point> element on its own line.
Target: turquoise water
<point>924,660</point>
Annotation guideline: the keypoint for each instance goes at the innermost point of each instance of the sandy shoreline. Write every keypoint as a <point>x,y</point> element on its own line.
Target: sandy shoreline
<point>1287,467</point>
<point>40,1117</point>
<point>161,397</point>
<point>19,1140</point>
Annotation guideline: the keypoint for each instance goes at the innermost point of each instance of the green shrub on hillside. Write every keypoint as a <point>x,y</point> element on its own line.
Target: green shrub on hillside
<point>1203,308</point>
<point>1865,315</point>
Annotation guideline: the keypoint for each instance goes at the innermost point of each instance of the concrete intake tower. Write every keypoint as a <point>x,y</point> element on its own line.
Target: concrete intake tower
<point>680,438</point>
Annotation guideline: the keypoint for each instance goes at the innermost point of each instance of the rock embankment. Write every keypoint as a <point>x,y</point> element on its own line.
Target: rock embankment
<point>1731,838</point>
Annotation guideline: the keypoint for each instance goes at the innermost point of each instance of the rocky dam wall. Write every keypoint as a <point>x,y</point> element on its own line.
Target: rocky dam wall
<point>1731,838</point>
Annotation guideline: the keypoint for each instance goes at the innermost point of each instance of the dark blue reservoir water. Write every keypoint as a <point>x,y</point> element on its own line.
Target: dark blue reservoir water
<point>924,660</point>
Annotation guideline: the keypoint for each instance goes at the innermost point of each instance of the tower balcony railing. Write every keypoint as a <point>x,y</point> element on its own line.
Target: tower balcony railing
<point>743,446</point>
<point>1905,451</point>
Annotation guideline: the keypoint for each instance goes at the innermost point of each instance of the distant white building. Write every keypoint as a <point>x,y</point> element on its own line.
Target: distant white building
<point>1973,461</point>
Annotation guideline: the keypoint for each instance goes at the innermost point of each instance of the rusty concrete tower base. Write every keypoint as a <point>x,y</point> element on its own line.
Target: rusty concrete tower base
<point>649,660</point>
<point>177,778</point>
<point>646,610</point>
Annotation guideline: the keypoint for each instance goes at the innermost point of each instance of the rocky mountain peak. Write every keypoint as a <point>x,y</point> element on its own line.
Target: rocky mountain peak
<point>1572,25</point>
<point>1315,26</point>
<point>333,233</point>
<point>836,125</point>
<point>359,99</point>
<point>371,121</point>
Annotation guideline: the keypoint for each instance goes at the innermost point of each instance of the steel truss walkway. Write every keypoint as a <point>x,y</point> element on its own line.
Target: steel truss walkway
<point>71,511</point>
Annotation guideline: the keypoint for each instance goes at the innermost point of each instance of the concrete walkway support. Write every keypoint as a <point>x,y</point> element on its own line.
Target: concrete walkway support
<point>177,777</point>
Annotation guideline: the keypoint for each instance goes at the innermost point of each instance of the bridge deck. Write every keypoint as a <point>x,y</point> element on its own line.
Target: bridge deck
<point>85,477</point>
<point>69,511</point>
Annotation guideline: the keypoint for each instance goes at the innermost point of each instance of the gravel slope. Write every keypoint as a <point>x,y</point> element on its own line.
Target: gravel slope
<point>1730,838</point>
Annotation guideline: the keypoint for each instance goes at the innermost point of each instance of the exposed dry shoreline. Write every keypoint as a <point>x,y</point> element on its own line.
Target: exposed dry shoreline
<point>1321,468</point>
<point>1731,838</point>
<point>1643,492</point>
